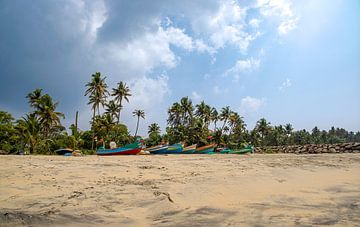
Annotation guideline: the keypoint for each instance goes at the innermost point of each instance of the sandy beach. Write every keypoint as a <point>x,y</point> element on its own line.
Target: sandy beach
<point>181,190</point>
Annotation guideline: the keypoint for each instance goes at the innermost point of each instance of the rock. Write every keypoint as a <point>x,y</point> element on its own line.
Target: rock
<point>356,151</point>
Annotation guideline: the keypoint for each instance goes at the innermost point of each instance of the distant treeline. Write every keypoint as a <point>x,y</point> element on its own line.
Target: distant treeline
<point>41,131</point>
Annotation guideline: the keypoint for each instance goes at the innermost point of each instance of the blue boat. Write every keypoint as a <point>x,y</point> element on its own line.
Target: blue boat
<point>129,149</point>
<point>176,148</point>
<point>208,149</point>
<point>160,149</point>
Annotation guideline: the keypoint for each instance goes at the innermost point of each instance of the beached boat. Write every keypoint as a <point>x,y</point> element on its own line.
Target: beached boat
<point>176,148</point>
<point>208,149</point>
<point>64,151</point>
<point>189,149</point>
<point>159,149</point>
<point>129,149</point>
<point>247,149</point>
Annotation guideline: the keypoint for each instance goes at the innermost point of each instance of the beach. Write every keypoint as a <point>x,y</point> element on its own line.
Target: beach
<point>181,190</point>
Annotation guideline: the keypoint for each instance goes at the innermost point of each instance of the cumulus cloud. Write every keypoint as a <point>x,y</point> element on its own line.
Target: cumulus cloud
<point>251,104</point>
<point>255,23</point>
<point>281,9</point>
<point>60,44</point>
<point>243,66</point>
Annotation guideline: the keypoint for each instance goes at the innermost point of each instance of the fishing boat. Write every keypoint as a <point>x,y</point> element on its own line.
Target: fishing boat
<point>208,149</point>
<point>176,148</point>
<point>189,149</point>
<point>128,149</point>
<point>247,149</point>
<point>159,149</point>
<point>64,151</point>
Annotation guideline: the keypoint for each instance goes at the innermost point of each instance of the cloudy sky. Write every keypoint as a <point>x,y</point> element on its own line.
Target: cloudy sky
<point>287,61</point>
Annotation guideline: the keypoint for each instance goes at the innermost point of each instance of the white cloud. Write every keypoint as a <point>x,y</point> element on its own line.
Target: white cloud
<point>243,66</point>
<point>225,26</point>
<point>251,104</point>
<point>202,47</point>
<point>195,96</point>
<point>281,9</point>
<point>285,84</point>
<point>254,22</point>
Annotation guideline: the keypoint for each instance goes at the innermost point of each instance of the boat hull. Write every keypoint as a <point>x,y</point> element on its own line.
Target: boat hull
<point>175,149</point>
<point>118,151</point>
<point>209,149</point>
<point>242,151</point>
<point>189,149</point>
<point>160,150</point>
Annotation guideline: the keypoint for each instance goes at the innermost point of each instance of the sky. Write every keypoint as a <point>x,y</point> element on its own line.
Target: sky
<point>288,61</point>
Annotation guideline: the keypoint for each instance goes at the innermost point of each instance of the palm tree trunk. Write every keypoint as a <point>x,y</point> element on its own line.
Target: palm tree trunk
<point>120,107</point>
<point>137,126</point>
<point>93,136</point>
<point>223,125</point>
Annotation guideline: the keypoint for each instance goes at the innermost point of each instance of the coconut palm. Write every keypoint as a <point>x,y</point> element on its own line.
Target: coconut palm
<point>224,115</point>
<point>214,116</point>
<point>121,92</point>
<point>154,128</point>
<point>112,108</point>
<point>47,114</point>
<point>203,111</point>
<point>34,97</point>
<point>175,114</point>
<point>187,109</point>
<point>29,129</point>
<point>97,91</point>
<point>138,114</point>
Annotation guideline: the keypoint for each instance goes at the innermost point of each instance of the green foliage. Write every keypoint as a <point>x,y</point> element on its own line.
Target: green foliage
<point>41,132</point>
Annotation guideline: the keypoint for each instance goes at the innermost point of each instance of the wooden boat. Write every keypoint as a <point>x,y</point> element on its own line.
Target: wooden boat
<point>159,149</point>
<point>208,149</point>
<point>245,150</point>
<point>189,149</point>
<point>176,148</point>
<point>64,151</point>
<point>129,149</point>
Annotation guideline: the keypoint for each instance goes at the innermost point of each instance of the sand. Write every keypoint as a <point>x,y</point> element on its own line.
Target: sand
<point>181,190</point>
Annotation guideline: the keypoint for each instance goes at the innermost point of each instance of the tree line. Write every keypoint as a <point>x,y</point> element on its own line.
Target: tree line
<point>40,131</point>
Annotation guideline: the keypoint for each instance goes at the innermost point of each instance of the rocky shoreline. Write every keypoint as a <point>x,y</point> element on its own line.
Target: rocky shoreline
<point>353,147</point>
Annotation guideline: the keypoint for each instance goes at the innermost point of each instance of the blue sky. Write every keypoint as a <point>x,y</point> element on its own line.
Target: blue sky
<point>288,61</point>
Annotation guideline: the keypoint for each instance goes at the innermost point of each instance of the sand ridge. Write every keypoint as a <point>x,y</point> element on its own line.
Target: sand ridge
<point>181,190</point>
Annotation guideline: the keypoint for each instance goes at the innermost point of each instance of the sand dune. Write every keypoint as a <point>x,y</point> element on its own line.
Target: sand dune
<point>181,190</point>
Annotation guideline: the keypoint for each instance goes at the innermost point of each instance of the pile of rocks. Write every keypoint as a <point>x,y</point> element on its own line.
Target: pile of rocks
<point>353,147</point>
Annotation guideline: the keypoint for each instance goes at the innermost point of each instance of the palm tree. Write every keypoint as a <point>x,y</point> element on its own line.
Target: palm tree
<point>203,111</point>
<point>112,108</point>
<point>29,130</point>
<point>175,114</point>
<point>224,115</point>
<point>96,89</point>
<point>34,97</point>
<point>121,92</point>
<point>154,128</point>
<point>48,116</point>
<point>214,116</point>
<point>138,113</point>
<point>263,128</point>
<point>187,109</point>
